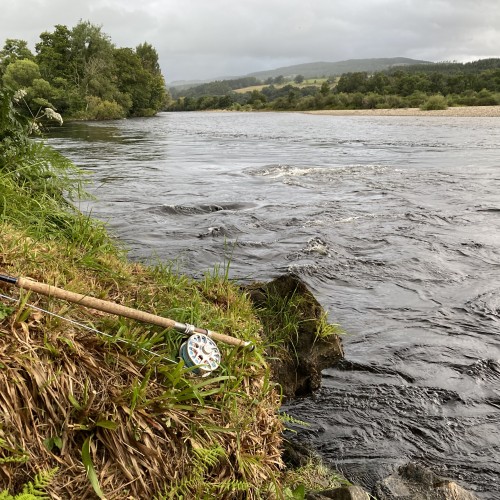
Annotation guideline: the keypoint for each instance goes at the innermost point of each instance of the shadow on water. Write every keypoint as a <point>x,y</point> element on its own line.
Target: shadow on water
<point>89,132</point>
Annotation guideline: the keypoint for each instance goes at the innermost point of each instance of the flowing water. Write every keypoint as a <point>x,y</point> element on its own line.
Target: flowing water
<point>393,222</point>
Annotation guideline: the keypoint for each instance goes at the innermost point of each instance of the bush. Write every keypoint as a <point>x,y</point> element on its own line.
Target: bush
<point>487,98</point>
<point>99,109</point>
<point>434,102</point>
<point>416,99</point>
<point>391,101</point>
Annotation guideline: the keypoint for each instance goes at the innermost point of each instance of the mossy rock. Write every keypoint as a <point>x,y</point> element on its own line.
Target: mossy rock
<point>301,342</point>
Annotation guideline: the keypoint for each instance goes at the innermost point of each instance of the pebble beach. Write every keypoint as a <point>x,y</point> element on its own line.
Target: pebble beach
<point>471,111</point>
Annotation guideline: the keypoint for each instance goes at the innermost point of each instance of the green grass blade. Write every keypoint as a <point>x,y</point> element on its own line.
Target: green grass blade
<point>89,467</point>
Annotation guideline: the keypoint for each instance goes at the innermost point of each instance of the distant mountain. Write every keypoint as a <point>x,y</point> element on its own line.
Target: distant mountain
<point>318,69</point>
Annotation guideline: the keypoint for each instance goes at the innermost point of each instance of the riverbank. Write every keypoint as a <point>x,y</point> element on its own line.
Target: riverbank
<point>96,405</point>
<point>459,111</point>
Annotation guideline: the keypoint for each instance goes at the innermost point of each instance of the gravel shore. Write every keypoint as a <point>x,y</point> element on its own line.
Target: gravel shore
<point>472,111</point>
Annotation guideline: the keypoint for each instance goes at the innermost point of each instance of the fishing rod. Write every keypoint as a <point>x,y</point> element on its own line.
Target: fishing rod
<point>199,350</point>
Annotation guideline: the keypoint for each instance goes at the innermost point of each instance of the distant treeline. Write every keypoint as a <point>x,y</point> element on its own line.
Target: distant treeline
<point>429,86</point>
<point>80,73</point>
<point>218,87</point>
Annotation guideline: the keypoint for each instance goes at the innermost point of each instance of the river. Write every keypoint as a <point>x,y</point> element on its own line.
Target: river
<point>394,224</point>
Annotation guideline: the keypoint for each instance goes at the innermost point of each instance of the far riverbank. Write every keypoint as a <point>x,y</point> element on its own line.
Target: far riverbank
<point>472,111</point>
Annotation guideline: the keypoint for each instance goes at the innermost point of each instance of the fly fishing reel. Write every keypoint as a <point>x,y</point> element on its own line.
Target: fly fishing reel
<point>201,352</point>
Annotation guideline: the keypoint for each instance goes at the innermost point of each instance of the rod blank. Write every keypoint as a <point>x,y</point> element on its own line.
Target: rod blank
<point>119,310</point>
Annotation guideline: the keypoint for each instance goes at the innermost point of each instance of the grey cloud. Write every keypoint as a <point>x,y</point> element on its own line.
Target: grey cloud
<point>199,39</point>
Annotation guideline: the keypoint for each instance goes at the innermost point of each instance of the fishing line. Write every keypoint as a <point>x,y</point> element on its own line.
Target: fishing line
<point>89,328</point>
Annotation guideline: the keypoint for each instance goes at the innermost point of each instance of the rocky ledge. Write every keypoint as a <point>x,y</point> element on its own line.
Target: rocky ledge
<point>306,345</point>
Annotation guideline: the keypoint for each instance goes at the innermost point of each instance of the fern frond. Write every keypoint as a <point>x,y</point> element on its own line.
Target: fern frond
<point>204,458</point>
<point>38,488</point>
<point>285,417</point>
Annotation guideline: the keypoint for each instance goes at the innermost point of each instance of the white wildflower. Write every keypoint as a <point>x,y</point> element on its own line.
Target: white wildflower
<point>19,94</point>
<point>34,128</point>
<point>52,115</point>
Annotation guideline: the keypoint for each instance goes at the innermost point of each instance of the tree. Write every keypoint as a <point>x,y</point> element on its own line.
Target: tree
<point>353,82</point>
<point>256,99</point>
<point>21,73</point>
<point>54,53</point>
<point>299,79</point>
<point>146,88</point>
<point>325,88</point>
<point>13,50</point>
<point>80,71</point>
<point>91,59</point>
<point>149,58</point>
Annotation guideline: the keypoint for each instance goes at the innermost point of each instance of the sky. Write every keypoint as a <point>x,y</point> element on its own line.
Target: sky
<point>208,39</point>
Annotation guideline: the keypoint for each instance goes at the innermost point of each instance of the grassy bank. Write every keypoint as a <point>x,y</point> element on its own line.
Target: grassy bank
<point>94,405</point>
<point>119,390</point>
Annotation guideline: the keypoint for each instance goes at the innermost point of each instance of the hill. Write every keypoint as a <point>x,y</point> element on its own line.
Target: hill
<point>314,69</point>
<point>318,69</point>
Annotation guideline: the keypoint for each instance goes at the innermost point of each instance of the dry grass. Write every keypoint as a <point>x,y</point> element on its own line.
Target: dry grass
<point>154,431</point>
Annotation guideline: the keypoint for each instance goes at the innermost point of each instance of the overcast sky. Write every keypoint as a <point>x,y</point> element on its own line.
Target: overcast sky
<point>203,39</point>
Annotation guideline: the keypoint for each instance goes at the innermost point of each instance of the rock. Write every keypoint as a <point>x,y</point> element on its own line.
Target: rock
<point>414,482</point>
<point>344,493</point>
<point>297,363</point>
<point>296,455</point>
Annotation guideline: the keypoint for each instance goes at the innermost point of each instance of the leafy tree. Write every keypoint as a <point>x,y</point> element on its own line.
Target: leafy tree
<point>13,50</point>
<point>325,88</point>
<point>54,53</point>
<point>140,79</point>
<point>149,58</point>
<point>21,73</point>
<point>378,83</point>
<point>299,79</point>
<point>80,72</point>
<point>256,99</point>
<point>353,82</point>
<point>91,60</point>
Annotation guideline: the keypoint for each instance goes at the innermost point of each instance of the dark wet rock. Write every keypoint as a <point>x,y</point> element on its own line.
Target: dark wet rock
<point>295,454</point>
<point>297,361</point>
<point>414,482</point>
<point>344,493</point>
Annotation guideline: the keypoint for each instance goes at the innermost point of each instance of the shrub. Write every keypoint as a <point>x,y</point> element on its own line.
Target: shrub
<point>416,99</point>
<point>99,109</point>
<point>436,101</point>
<point>487,98</point>
<point>391,101</point>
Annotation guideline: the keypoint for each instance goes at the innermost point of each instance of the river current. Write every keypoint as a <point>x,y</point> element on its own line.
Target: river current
<point>394,224</point>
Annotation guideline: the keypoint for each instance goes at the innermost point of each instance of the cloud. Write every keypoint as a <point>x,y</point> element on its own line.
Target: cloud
<point>199,39</point>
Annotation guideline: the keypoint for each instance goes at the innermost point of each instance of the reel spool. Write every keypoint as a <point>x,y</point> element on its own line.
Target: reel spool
<point>200,351</point>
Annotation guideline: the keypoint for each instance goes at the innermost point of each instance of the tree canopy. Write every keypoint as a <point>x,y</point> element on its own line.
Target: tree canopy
<point>80,72</point>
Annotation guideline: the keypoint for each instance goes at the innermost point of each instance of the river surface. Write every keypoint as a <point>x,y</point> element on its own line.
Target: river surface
<point>394,224</point>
